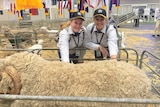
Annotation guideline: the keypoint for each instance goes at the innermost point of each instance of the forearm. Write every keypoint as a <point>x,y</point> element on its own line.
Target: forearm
<point>64,55</point>
<point>92,46</point>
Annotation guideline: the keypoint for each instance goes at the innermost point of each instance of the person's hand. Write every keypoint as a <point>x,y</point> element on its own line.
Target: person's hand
<point>103,50</point>
<point>113,57</point>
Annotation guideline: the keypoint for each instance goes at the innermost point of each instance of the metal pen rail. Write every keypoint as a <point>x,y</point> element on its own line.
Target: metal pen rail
<point>126,50</point>
<point>127,59</point>
<point>145,52</point>
<point>86,99</point>
<point>16,37</point>
<point>142,62</point>
<point>80,99</point>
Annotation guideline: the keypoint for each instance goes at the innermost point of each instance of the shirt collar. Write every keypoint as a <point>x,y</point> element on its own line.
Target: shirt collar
<point>103,30</point>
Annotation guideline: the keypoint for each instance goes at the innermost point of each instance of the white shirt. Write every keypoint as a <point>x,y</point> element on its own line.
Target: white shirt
<point>109,38</point>
<point>66,42</point>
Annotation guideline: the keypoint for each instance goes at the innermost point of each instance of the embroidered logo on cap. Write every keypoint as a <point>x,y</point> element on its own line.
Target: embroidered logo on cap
<point>99,11</point>
<point>79,13</point>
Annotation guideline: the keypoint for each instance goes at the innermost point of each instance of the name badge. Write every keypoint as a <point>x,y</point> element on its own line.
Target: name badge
<point>77,52</point>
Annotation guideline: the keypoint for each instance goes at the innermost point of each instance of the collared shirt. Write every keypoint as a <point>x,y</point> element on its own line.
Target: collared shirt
<point>109,38</point>
<point>67,41</point>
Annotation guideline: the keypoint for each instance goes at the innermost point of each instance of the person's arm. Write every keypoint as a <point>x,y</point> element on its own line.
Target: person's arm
<point>89,44</point>
<point>103,50</point>
<point>112,42</point>
<point>63,45</point>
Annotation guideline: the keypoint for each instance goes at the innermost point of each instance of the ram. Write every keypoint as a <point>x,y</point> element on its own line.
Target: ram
<point>29,74</point>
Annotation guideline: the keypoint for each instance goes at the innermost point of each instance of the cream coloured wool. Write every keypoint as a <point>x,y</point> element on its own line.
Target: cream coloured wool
<point>90,79</point>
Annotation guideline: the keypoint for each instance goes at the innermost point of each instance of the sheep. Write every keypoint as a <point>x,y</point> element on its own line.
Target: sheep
<point>37,76</point>
<point>17,36</point>
<point>4,50</point>
<point>51,35</point>
<point>36,48</point>
<point>8,34</point>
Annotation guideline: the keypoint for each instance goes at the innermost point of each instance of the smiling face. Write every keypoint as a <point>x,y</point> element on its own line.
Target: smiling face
<point>76,24</point>
<point>100,22</point>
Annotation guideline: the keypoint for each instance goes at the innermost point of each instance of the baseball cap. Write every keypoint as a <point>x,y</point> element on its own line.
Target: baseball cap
<point>76,15</point>
<point>100,12</point>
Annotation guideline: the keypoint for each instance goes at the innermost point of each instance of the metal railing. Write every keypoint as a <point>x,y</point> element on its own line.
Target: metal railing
<point>142,57</point>
<point>124,18</point>
<point>87,99</point>
<point>127,59</point>
<point>16,38</point>
<point>142,62</point>
<point>80,99</point>
<point>126,50</point>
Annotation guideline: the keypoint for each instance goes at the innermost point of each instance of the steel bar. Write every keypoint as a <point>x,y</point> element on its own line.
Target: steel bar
<point>81,99</point>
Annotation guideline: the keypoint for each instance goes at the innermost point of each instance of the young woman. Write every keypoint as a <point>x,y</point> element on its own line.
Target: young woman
<point>73,35</point>
<point>103,34</point>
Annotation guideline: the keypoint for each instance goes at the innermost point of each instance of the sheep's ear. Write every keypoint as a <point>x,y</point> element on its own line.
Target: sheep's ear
<point>12,72</point>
